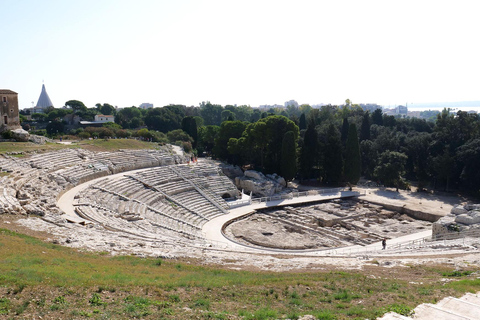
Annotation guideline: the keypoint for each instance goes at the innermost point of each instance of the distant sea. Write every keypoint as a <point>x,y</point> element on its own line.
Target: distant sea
<point>439,106</point>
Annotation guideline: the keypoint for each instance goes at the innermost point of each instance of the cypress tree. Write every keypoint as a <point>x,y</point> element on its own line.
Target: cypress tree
<point>302,122</point>
<point>289,156</point>
<point>365,128</point>
<point>333,161</point>
<point>353,163</point>
<point>189,125</point>
<point>345,127</point>
<point>308,154</point>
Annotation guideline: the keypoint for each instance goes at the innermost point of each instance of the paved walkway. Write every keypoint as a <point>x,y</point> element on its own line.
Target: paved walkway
<point>212,230</point>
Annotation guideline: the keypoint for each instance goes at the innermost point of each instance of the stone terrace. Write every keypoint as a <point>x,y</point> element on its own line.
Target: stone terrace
<point>169,200</point>
<point>161,200</point>
<point>32,183</point>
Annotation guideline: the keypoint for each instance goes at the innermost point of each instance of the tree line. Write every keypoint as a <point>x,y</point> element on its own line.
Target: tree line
<point>332,145</point>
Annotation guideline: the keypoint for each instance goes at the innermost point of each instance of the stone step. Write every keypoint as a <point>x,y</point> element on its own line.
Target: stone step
<point>461,307</point>
<point>393,316</point>
<point>429,311</point>
<point>471,297</point>
<point>450,308</point>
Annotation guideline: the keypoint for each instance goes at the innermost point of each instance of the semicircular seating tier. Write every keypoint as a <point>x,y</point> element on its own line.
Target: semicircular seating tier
<point>167,199</point>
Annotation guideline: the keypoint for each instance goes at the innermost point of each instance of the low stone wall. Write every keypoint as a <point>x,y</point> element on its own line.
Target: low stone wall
<point>416,214</point>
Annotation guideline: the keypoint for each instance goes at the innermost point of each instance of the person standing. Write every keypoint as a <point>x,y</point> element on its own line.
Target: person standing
<point>384,243</point>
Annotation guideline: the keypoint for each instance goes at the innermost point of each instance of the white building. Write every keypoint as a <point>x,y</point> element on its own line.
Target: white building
<point>104,118</point>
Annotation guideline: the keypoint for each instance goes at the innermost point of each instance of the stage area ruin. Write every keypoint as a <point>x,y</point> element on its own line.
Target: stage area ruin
<point>322,225</point>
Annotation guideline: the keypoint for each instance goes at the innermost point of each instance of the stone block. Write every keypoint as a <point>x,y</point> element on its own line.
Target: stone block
<point>472,206</point>
<point>458,209</point>
<point>472,217</point>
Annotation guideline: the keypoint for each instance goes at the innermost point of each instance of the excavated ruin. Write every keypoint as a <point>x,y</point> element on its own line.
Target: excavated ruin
<point>326,225</point>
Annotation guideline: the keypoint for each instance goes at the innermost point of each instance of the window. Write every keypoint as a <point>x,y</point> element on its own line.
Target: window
<point>5,118</point>
<point>4,99</point>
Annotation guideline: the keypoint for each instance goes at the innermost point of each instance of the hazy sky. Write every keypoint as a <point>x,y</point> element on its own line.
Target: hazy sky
<point>240,52</point>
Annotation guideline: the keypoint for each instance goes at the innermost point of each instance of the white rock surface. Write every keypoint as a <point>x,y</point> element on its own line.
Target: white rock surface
<point>20,135</point>
<point>259,184</point>
<point>472,217</point>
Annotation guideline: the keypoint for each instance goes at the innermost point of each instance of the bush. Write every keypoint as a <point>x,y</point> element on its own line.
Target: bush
<point>7,134</point>
<point>187,146</point>
<point>95,300</point>
<point>84,135</point>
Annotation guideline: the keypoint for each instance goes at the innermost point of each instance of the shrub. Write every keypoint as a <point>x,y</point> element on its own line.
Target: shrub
<point>4,305</point>
<point>95,300</point>
<point>84,135</point>
<point>399,308</point>
<point>7,134</point>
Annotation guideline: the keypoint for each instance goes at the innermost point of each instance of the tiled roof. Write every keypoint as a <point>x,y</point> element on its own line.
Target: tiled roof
<point>6,91</point>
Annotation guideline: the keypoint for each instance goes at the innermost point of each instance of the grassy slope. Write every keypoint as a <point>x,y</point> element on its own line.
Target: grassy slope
<point>43,279</point>
<point>93,145</point>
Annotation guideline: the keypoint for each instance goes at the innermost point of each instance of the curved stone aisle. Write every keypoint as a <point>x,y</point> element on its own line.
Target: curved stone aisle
<point>212,230</point>
<point>450,308</point>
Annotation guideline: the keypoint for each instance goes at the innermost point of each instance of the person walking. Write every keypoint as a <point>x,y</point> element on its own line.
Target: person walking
<point>384,243</point>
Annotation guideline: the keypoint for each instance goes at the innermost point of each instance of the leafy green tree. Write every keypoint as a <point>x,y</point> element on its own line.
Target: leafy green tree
<point>211,113</point>
<point>179,135</point>
<point>391,168</point>
<point>125,116</point>
<point>468,157</point>
<point>106,109</point>
<point>228,130</point>
<point>40,117</point>
<point>235,148</point>
<point>289,156</point>
<point>443,165</point>
<point>112,126</point>
<point>255,142</point>
<point>305,108</point>
<point>264,140</point>
<point>76,106</point>
<point>55,127</point>
<point>256,115</point>
<point>243,112</point>
<point>144,133</point>
<point>207,136</point>
<point>353,162</point>
<point>227,115</point>
<point>165,119</point>
<point>417,148</point>
<point>84,135</point>
<point>58,114</point>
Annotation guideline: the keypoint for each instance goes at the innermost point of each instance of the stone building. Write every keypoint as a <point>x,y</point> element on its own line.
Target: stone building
<point>9,119</point>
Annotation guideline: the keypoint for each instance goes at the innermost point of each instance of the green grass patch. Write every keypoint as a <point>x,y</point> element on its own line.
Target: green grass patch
<point>399,308</point>
<point>39,278</point>
<point>456,273</point>
<point>4,305</point>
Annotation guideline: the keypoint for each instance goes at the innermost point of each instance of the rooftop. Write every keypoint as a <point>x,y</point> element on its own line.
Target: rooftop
<point>7,91</point>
